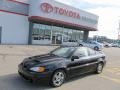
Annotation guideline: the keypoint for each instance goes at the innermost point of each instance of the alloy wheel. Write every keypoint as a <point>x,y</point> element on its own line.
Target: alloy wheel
<point>58,78</point>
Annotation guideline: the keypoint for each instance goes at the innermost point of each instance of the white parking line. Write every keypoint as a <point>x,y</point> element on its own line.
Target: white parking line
<point>109,78</point>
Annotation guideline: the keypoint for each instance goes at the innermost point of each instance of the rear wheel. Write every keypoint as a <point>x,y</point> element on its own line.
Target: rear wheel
<point>99,68</point>
<point>58,78</point>
<point>80,45</point>
<point>96,48</point>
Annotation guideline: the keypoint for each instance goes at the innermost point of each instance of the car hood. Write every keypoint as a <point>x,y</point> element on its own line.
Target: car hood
<point>44,58</point>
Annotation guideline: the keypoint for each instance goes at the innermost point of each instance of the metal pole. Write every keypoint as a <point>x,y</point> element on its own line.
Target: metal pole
<point>119,29</point>
<point>51,34</point>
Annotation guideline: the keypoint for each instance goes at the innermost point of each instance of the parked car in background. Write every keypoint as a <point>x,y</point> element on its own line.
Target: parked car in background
<point>107,45</point>
<point>115,45</point>
<point>70,43</point>
<point>62,63</point>
<point>92,44</point>
<point>118,46</point>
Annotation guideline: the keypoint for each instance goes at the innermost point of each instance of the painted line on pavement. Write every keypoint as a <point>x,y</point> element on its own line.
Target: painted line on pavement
<point>113,70</point>
<point>109,78</point>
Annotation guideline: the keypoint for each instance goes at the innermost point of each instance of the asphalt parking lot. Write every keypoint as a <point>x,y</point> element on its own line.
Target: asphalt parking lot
<point>11,56</point>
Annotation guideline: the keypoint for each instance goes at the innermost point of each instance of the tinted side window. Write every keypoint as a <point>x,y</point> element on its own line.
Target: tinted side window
<point>81,52</point>
<point>91,52</point>
<point>93,43</point>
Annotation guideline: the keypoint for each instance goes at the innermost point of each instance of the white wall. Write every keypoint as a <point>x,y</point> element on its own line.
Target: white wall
<point>15,28</point>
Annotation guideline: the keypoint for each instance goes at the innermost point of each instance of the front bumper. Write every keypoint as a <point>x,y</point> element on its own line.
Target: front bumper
<point>34,76</point>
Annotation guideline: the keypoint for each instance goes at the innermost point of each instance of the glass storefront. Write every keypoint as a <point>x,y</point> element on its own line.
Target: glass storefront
<point>45,34</point>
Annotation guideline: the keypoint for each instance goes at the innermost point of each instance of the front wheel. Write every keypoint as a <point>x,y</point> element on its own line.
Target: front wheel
<point>99,68</point>
<point>58,78</point>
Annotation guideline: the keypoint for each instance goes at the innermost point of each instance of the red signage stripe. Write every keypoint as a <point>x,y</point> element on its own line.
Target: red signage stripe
<point>13,12</point>
<point>18,2</point>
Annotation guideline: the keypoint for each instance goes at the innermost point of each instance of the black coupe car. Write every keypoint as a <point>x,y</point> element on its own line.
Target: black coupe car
<point>62,63</point>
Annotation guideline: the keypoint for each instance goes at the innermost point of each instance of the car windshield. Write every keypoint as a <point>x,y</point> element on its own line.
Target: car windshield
<point>63,52</point>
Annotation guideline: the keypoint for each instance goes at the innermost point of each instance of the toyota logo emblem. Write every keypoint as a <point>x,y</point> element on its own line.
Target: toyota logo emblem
<point>46,7</point>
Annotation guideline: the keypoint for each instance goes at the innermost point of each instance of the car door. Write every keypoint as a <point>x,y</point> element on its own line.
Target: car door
<point>87,43</point>
<point>78,66</point>
<point>91,44</point>
<point>92,61</point>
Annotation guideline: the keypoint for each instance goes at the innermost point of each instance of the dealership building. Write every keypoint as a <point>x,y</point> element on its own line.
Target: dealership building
<point>45,22</point>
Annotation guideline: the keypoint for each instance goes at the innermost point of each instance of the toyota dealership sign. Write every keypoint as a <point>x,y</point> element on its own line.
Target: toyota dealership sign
<point>58,11</point>
<point>48,8</point>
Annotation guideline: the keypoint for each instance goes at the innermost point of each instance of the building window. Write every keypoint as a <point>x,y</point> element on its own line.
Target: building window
<point>41,32</point>
<point>55,35</point>
<point>71,35</point>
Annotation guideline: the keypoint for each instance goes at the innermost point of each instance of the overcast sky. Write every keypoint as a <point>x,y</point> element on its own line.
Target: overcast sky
<point>107,10</point>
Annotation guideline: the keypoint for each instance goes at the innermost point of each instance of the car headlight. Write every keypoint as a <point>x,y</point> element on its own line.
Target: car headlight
<point>38,69</point>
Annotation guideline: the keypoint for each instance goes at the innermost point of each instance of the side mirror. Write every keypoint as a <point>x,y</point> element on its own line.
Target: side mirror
<point>74,57</point>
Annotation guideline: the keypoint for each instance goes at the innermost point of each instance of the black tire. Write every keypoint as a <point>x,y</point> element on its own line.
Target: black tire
<point>57,83</point>
<point>80,45</point>
<point>99,68</point>
<point>96,48</point>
